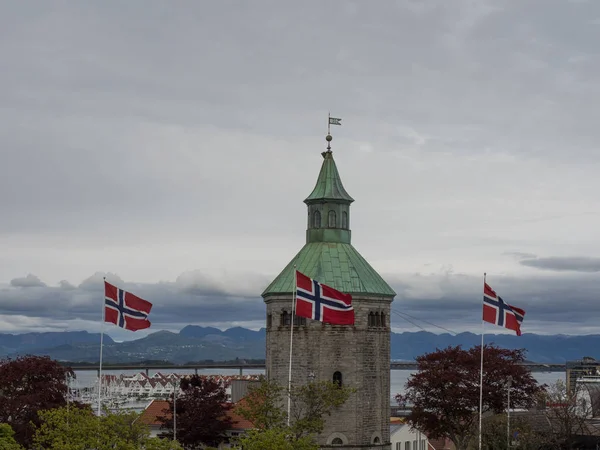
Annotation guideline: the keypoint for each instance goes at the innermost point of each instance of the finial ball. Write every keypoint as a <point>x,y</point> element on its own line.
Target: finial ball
<point>328,138</point>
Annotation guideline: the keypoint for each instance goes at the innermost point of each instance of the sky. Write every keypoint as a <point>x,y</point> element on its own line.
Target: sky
<point>169,147</point>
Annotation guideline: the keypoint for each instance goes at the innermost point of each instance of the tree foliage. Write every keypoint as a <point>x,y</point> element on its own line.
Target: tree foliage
<point>7,438</point>
<point>30,384</point>
<point>79,428</point>
<point>201,413</point>
<point>262,405</point>
<point>444,393</point>
<point>312,402</point>
<point>266,407</point>
<point>522,434</point>
<point>567,412</point>
<point>155,443</point>
<point>275,439</point>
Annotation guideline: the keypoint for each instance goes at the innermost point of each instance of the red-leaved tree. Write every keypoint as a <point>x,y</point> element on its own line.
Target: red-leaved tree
<point>29,384</point>
<point>201,413</point>
<point>444,393</point>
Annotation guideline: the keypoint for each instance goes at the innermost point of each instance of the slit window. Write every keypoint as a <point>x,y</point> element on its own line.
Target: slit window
<point>316,219</point>
<point>337,378</point>
<point>331,220</point>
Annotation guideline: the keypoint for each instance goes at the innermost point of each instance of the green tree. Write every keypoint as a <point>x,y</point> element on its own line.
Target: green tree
<point>155,443</point>
<point>444,393</point>
<point>266,404</point>
<point>567,412</point>
<point>7,438</point>
<point>262,405</point>
<point>79,428</point>
<point>29,384</point>
<point>275,439</point>
<point>312,402</point>
<point>523,435</point>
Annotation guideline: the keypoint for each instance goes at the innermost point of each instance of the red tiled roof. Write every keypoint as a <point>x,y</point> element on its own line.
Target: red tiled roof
<point>158,408</point>
<point>153,411</point>
<point>238,422</point>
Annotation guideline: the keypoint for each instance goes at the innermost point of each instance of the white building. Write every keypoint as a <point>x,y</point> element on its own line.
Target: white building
<point>403,437</point>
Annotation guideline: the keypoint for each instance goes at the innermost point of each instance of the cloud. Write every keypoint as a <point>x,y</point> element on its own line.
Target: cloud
<point>180,158</point>
<point>575,264</point>
<point>175,304</point>
<point>27,282</point>
<point>430,301</point>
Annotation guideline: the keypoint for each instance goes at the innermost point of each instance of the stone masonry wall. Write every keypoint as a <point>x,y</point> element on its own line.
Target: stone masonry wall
<point>360,353</point>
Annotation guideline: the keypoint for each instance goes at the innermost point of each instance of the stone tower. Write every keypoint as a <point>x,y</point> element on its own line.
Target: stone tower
<point>359,355</point>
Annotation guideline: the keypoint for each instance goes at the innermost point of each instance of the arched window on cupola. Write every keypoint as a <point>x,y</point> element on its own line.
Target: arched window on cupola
<point>331,220</point>
<point>317,219</point>
<point>344,220</point>
<point>377,320</point>
<point>383,322</point>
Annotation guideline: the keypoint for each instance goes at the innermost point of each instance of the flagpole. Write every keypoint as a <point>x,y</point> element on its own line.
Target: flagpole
<point>101,343</point>
<point>481,372</point>
<point>508,414</point>
<point>289,402</point>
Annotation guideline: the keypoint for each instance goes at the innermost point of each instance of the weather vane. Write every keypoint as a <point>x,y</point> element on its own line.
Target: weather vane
<point>332,121</point>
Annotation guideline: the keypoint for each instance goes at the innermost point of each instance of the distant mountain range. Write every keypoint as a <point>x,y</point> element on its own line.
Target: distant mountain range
<point>195,343</point>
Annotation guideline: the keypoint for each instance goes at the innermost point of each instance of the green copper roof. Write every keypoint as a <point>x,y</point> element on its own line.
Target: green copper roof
<point>329,184</point>
<point>337,265</point>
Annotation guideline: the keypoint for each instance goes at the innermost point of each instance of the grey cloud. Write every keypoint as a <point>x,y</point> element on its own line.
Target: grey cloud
<point>64,284</point>
<point>575,264</point>
<point>173,302</point>
<point>558,304</point>
<point>96,281</point>
<point>430,302</point>
<point>28,281</point>
<point>520,255</point>
<point>145,152</point>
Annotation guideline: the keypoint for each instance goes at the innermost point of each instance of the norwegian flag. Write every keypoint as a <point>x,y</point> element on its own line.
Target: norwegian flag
<point>124,309</point>
<point>319,302</point>
<point>499,313</point>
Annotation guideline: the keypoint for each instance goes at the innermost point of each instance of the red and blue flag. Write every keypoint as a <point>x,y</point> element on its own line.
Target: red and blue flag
<point>320,302</point>
<point>499,313</point>
<point>124,309</point>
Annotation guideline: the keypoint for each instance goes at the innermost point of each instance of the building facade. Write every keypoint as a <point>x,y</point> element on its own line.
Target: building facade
<point>357,356</point>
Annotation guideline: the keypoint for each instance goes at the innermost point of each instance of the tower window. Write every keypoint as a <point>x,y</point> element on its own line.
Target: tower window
<point>337,378</point>
<point>331,223</point>
<point>344,220</point>
<point>317,219</point>
<point>285,318</point>
<point>299,321</point>
<point>383,322</point>
<point>269,321</point>
<point>371,322</point>
<point>377,320</point>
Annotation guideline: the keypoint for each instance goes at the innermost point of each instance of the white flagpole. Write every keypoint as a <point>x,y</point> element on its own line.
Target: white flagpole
<point>101,343</point>
<point>508,414</point>
<point>481,372</point>
<point>175,385</point>
<point>289,402</point>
